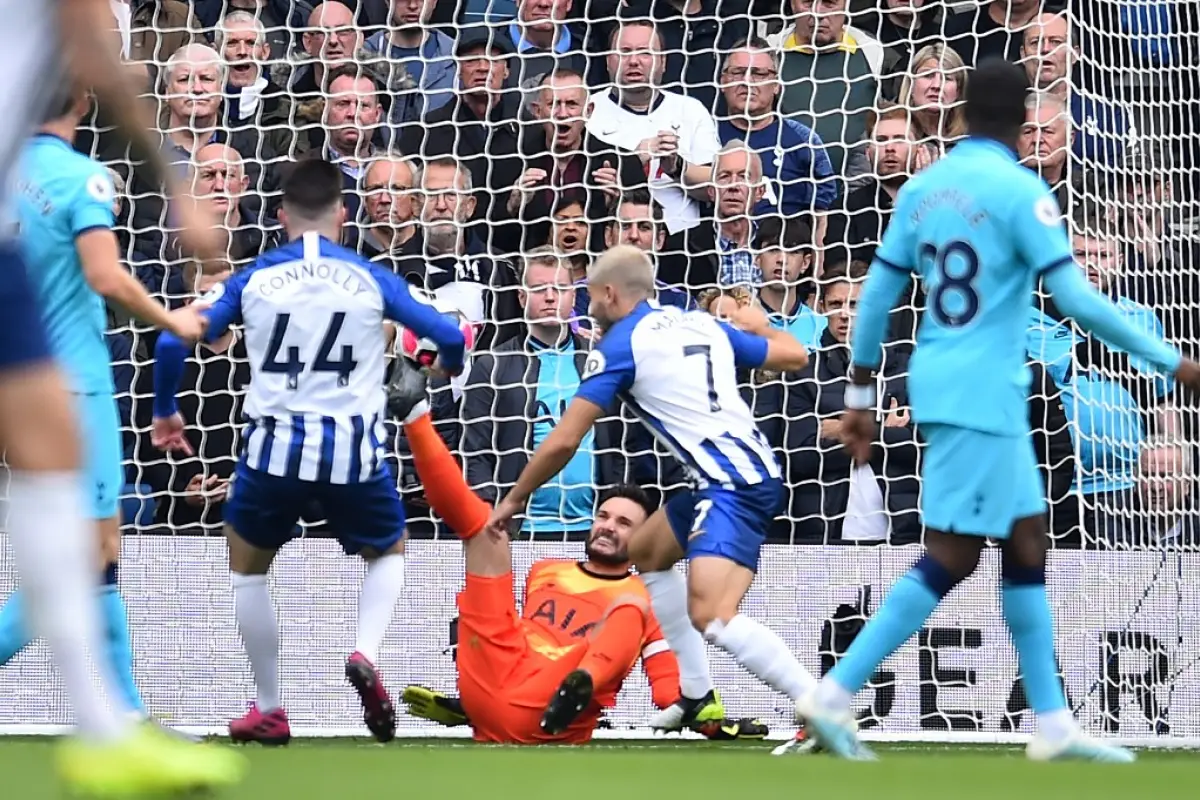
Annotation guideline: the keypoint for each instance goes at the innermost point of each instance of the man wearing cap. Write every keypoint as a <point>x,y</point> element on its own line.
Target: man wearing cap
<point>479,126</point>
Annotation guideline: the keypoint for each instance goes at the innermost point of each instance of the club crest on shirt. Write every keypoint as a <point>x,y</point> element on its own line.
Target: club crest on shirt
<point>594,365</point>
<point>99,188</point>
<point>1046,211</point>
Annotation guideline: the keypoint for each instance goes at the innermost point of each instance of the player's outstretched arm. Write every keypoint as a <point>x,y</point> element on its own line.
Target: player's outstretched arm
<point>102,269</point>
<point>423,320</point>
<point>1076,298</point>
<point>757,345</point>
<point>549,459</point>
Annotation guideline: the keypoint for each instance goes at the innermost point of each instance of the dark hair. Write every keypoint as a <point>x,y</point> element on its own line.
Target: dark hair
<point>995,105</point>
<point>750,43</point>
<point>353,71</point>
<point>775,233</point>
<point>312,187</point>
<point>568,198</point>
<point>635,197</point>
<point>628,491</point>
<point>853,272</point>
<point>636,22</point>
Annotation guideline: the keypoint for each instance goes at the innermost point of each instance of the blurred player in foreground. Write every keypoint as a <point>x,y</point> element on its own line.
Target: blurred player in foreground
<point>313,314</point>
<point>980,230</point>
<point>66,216</point>
<point>52,538</point>
<point>676,371</point>
<point>592,616</point>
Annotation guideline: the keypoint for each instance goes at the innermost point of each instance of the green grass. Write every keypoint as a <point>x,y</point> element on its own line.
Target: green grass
<point>353,769</point>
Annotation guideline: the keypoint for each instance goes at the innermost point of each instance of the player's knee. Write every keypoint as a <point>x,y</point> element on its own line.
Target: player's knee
<point>703,613</point>
<point>939,577</point>
<point>1023,556</point>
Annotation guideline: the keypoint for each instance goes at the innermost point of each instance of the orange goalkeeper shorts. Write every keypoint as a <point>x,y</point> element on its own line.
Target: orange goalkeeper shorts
<point>507,673</point>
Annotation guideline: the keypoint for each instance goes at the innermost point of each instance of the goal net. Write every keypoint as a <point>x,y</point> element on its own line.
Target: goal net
<point>491,137</point>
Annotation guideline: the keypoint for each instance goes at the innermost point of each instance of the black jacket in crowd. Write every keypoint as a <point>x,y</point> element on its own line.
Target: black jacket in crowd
<point>818,470</point>
<point>498,409</point>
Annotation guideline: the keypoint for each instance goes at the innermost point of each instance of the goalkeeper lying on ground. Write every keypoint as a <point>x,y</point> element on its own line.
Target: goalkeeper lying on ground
<point>592,616</point>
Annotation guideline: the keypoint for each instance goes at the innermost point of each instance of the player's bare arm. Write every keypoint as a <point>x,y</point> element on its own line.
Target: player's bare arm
<point>103,271</point>
<point>86,37</point>
<point>547,461</point>
<point>785,353</point>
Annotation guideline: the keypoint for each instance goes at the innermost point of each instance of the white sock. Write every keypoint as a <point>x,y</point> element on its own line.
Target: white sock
<point>762,653</point>
<point>832,696</point>
<point>56,552</point>
<point>260,636</point>
<point>380,591</point>
<point>1057,725</point>
<point>668,597</point>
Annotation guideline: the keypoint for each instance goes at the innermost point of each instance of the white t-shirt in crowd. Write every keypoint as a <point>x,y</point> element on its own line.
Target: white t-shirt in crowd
<point>616,125</point>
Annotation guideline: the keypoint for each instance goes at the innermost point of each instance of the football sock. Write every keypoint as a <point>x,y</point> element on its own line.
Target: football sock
<point>260,636</point>
<point>615,646</point>
<point>441,477</point>
<point>1027,614</point>
<point>668,596</point>
<point>116,639</point>
<point>380,592</point>
<point>912,599</point>
<point>55,550</point>
<point>14,631</point>
<point>762,653</point>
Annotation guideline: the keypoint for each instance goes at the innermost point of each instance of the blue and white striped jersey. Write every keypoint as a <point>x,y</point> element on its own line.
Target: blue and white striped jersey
<point>313,313</point>
<point>676,370</point>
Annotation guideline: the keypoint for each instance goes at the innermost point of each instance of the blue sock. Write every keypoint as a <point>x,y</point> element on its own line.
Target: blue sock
<point>14,632</point>
<point>116,640</point>
<point>912,599</point>
<point>1027,614</point>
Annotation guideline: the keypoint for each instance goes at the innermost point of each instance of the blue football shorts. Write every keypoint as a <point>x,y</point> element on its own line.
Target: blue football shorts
<point>103,474</point>
<point>265,509</point>
<point>978,483</point>
<point>726,523</point>
<point>22,330</point>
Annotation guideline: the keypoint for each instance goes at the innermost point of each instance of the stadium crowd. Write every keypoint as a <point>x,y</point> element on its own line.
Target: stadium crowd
<point>490,149</point>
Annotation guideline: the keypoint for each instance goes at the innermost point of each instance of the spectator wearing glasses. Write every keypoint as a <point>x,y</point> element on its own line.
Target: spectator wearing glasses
<point>479,128</point>
<point>419,58</point>
<point>330,40</point>
<point>447,259</point>
<point>799,176</point>
<point>516,394</point>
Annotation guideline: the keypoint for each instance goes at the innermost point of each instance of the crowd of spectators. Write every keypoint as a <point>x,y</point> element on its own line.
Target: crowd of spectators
<point>754,148</point>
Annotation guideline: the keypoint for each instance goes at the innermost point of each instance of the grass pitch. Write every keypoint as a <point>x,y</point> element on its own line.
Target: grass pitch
<point>347,769</point>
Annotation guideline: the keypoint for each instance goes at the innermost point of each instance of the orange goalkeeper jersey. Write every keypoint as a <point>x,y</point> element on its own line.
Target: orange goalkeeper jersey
<point>564,602</point>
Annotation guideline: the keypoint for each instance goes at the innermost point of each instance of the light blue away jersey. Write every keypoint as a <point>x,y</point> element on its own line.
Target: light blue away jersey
<point>62,194</point>
<point>979,229</point>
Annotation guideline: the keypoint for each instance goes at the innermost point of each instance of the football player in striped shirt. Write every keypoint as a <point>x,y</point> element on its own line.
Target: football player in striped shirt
<point>313,315</point>
<point>676,371</point>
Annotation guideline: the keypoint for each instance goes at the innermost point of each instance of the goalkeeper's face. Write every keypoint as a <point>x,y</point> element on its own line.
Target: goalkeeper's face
<point>608,542</point>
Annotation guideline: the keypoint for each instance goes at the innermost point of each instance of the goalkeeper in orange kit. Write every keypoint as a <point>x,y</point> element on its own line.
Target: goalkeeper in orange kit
<point>544,676</point>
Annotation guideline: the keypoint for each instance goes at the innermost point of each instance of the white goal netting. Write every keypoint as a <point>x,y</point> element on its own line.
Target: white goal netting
<point>754,148</point>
